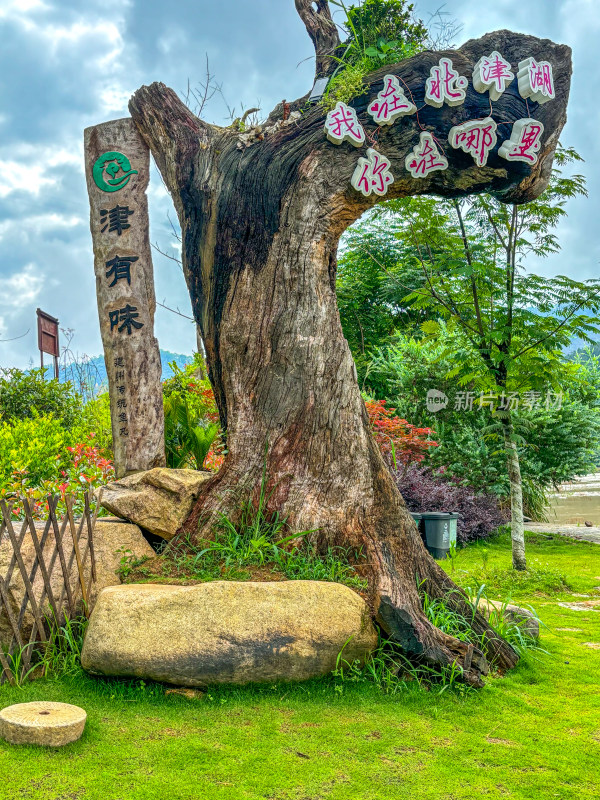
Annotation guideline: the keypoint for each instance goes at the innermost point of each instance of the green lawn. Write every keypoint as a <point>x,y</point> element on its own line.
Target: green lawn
<point>534,733</point>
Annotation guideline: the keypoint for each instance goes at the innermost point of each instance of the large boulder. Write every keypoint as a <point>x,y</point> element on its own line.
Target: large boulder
<point>522,617</point>
<point>112,540</point>
<point>159,500</point>
<point>227,632</point>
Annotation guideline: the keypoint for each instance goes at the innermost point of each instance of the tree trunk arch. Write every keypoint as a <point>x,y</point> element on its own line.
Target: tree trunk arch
<point>261,215</point>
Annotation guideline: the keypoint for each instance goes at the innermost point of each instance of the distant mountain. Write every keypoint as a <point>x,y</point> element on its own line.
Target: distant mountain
<point>93,370</point>
<point>584,350</point>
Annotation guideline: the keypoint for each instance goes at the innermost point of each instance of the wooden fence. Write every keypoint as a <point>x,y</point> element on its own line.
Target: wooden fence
<point>46,572</point>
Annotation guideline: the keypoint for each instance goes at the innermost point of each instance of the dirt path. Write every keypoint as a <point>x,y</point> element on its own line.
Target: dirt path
<point>572,531</point>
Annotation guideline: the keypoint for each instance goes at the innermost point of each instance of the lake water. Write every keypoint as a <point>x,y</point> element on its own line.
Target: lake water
<point>577,502</point>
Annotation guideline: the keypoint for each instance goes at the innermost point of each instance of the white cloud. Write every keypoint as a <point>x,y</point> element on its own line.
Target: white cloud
<point>21,287</point>
<point>114,98</point>
<point>39,224</point>
<point>27,170</point>
<point>15,8</point>
<point>17,176</point>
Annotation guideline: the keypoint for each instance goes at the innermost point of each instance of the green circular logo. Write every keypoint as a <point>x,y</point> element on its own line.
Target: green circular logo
<point>115,165</point>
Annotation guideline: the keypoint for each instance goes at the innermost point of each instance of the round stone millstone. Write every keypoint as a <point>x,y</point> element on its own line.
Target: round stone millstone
<point>43,723</point>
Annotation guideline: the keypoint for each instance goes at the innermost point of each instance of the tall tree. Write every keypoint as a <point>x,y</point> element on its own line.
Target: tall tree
<point>518,324</point>
<point>261,214</point>
<point>371,285</point>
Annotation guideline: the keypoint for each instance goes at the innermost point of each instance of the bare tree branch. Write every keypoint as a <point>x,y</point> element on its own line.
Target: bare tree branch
<point>14,339</point>
<point>175,311</point>
<point>316,16</point>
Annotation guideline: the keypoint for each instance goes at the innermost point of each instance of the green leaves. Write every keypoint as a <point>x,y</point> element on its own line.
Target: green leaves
<point>379,32</point>
<point>188,438</point>
<point>24,394</point>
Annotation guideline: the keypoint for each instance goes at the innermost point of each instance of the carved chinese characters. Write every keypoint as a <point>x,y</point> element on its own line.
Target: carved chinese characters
<point>372,174</point>
<point>536,81</point>
<point>524,141</point>
<point>425,157</point>
<point>390,103</point>
<point>492,75</point>
<point>342,125</point>
<point>117,166</point>
<point>445,85</point>
<point>477,138</point>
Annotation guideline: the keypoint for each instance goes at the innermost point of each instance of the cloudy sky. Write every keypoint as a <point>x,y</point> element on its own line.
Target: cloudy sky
<point>67,64</point>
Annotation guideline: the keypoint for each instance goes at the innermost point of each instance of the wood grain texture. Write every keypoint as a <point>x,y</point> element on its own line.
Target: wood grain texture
<point>261,216</point>
<point>142,447</point>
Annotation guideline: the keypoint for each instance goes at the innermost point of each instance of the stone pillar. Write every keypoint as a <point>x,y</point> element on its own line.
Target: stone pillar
<point>117,163</point>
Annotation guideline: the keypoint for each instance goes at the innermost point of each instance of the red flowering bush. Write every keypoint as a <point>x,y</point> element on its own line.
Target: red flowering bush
<point>400,442</point>
<point>84,468</point>
<point>90,467</point>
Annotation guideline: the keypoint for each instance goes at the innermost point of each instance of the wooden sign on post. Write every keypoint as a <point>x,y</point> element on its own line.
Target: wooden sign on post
<point>117,163</point>
<point>48,338</point>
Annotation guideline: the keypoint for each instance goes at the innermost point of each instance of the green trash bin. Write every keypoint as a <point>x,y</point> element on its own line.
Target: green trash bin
<point>440,532</point>
<point>418,518</point>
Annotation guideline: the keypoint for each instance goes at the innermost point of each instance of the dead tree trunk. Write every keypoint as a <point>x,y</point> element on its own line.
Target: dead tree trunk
<point>261,216</point>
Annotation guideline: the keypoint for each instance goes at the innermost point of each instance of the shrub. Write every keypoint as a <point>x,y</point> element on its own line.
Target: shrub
<point>36,446</point>
<point>399,440</point>
<point>39,457</point>
<point>192,432</point>
<point>423,490</point>
<point>556,444</point>
<point>94,421</point>
<point>24,395</point>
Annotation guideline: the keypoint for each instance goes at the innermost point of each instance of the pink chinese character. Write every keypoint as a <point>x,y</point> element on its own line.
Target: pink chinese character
<point>372,174</point>
<point>425,157</point>
<point>342,124</point>
<point>524,142</point>
<point>390,102</point>
<point>477,137</point>
<point>536,80</point>
<point>445,85</point>
<point>492,73</point>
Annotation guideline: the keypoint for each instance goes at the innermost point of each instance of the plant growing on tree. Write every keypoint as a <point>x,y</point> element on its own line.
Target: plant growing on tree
<point>379,32</point>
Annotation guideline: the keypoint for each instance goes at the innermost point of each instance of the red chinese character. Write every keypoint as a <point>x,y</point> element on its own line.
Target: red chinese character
<point>541,78</point>
<point>342,124</point>
<point>477,137</point>
<point>524,142</point>
<point>372,174</point>
<point>536,80</point>
<point>425,157</point>
<point>445,85</point>
<point>492,73</point>
<point>390,103</point>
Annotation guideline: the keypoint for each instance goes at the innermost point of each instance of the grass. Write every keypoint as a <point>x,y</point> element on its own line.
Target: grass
<point>258,546</point>
<point>188,563</point>
<point>534,733</point>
